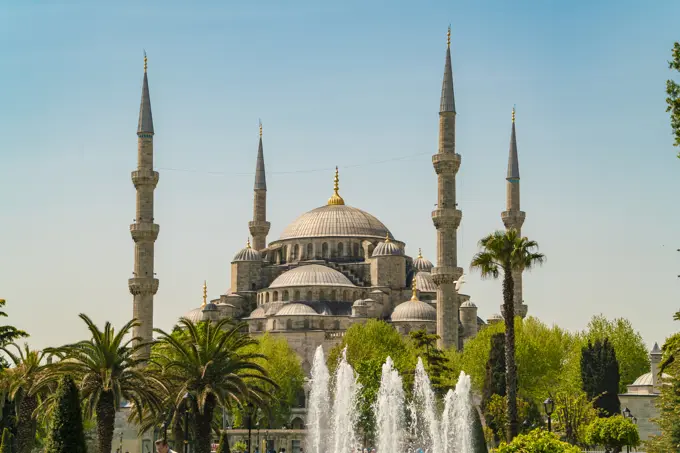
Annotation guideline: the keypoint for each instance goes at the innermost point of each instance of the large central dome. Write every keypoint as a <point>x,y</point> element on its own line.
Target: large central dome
<point>336,221</point>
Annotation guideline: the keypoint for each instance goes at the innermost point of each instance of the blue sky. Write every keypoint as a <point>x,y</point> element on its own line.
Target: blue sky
<point>354,84</point>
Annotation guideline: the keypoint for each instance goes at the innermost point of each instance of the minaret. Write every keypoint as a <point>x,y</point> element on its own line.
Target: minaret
<point>446,217</point>
<point>513,217</point>
<point>655,356</point>
<point>144,231</point>
<point>259,227</point>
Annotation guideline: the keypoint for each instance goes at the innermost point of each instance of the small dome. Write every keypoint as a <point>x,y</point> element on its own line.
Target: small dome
<point>387,248</point>
<point>258,313</point>
<point>414,310</point>
<point>647,379</point>
<point>247,254</point>
<point>495,317</point>
<point>311,275</point>
<point>468,304</point>
<point>421,264</point>
<point>210,307</point>
<point>360,303</point>
<point>296,310</point>
<point>425,283</point>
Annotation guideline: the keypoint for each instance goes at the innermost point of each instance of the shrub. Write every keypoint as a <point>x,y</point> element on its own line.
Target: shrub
<point>613,433</point>
<point>66,426</point>
<point>537,441</point>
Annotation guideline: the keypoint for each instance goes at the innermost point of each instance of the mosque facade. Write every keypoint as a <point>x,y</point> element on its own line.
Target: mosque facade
<point>336,265</point>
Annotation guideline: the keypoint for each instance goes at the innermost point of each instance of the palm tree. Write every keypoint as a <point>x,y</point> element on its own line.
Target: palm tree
<point>206,366</point>
<point>108,370</point>
<point>8,334</point>
<point>505,252</point>
<point>21,385</point>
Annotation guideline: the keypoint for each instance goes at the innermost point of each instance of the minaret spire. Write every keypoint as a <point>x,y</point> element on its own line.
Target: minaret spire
<point>259,227</point>
<point>144,285</point>
<point>513,217</point>
<point>447,216</point>
<point>336,199</point>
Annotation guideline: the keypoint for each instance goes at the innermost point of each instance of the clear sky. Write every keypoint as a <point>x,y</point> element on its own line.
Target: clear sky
<point>349,83</point>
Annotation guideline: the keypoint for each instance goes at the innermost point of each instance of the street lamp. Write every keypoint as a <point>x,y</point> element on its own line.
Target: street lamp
<point>628,415</point>
<point>549,407</point>
<point>187,408</point>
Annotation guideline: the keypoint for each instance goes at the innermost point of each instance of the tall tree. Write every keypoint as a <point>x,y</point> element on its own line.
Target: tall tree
<point>108,370</point>
<point>503,252</point>
<point>494,379</point>
<point>22,382</point>
<point>436,363</point>
<point>600,377</point>
<point>673,92</point>
<point>209,366</point>
<point>631,352</point>
<point>669,415</point>
<point>66,427</point>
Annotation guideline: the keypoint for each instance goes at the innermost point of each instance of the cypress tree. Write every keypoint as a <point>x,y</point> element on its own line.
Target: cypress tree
<point>600,377</point>
<point>494,380</point>
<point>66,426</point>
<point>224,443</point>
<point>6,446</point>
<point>478,440</point>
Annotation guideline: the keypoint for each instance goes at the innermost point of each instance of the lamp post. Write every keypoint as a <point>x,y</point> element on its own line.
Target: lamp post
<point>549,407</point>
<point>187,408</point>
<point>250,425</point>
<point>628,415</point>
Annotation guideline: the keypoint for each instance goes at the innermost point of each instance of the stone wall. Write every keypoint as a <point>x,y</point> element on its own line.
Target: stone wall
<point>642,407</point>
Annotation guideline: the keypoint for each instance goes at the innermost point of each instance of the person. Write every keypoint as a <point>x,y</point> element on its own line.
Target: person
<point>163,447</point>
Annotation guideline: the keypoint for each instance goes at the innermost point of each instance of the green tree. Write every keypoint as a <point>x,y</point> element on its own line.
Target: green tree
<point>436,363</point>
<point>22,388</point>
<point>66,426</point>
<point>537,441</point>
<point>613,433</point>
<point>503,253</point>
<point>631,352</point>
<point>573,412</point>
<point>600,377</point>
<point>478,441</point>
<point>223,447</point>
<point>8,334</point>
<point>108,370</point>
<point>673,92</point>
<point>6,446</point>
<point>211,365</point>
<point>668,421</point>
<point>494,379</point>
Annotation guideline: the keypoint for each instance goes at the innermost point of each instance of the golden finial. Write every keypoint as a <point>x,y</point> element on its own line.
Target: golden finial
<point>420,254</point>
<point>248,243</point>
<point>205,293</point>
<point>513,113</point>
<point>448,37</point>
<point>414,290</point>
<point>336,199</point>
<point>145,60</point>
<point>387,238</point>
<point>260,128</point>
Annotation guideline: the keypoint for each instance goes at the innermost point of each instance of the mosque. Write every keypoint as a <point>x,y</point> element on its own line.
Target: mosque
<point>335,265</point>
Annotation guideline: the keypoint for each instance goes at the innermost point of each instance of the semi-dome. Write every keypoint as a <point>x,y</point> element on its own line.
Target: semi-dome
<point>195,315</point>
<point>387,248</point>
<point>425,283</point>
<point>258,313</point>
<point>421,264</point>
<point>335,221</point>
<point>247,254</point>
<point>311,275</point>
<point>296,310</point>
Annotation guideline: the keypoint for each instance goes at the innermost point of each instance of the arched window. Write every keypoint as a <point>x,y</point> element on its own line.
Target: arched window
<point>324,250</point>
<point>355,250</point>
<point>305,324</point>
<point>296,295</point>
<point>355,296</point>
<point>345,295</point>
<point>310,252</point>
<point>266,298</point>
<point>252,286</point>
<point>334,295</point>
<point>275,296</point>
<point>289,324</point>
<point>341,249</point>
<point>300,396</point>
<point>322,295</point>
<point>296,252</point>
<point>309,296</point>
<point>285,296</point>
<point>321,324</point>
<point>297,423</point>
<point>259,326</point>
<point>336,325</point>
<point>274,325</point>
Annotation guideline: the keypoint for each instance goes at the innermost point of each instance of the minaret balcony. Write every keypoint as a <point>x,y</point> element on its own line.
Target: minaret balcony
<point>446,274</point>
<point>145,178</point>
<point>513,219</point>
<point>143,285</point>
<point>446,218</point>
<point>259,227</point>
<point>144,232</point>
<point>447,163</point>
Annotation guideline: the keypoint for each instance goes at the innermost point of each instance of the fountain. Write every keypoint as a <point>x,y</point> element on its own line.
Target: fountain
<point>401,426</point>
